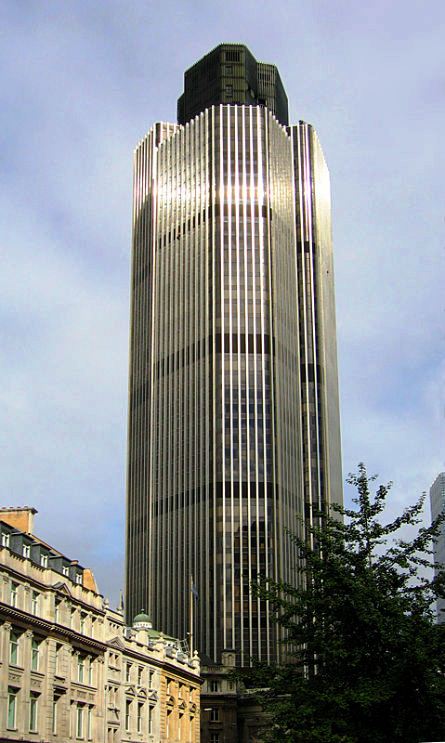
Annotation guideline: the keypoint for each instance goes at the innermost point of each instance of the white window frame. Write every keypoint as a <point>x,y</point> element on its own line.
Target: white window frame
<point>14,647</point>
<point>79,720</point>
<point>90,723</point>
<point>140,717</point>
<point>127,715</point>
<point>33,712</point>
<point>14,592</point>
<point>81,669</point>
<point>12,703</point>
<point>35,654</point>
<point>35,603</point>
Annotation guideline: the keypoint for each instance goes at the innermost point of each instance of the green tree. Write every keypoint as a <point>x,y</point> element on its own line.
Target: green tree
<point>366,658</point>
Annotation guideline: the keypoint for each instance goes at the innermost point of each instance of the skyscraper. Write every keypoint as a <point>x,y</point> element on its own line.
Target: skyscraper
<point>437,503</point>
<point>233,394</point>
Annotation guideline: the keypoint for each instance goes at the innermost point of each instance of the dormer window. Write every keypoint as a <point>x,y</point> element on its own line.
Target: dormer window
<point>26,550</point>
<point>79,578</point>
<point>65,571</point>
<point>5,540</point>
<point>44,561</point>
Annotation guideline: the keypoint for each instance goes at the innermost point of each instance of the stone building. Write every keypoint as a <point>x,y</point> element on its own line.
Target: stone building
<point>229,711</point>
<point>69,667</point>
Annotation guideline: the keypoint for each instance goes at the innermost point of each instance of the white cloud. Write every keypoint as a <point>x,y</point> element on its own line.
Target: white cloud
<point>81,85</point>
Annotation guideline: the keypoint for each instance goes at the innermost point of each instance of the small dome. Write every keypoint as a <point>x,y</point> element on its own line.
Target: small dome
<point>142,620</point>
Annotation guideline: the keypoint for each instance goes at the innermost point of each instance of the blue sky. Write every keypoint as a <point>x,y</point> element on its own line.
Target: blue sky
<point>82,82</point>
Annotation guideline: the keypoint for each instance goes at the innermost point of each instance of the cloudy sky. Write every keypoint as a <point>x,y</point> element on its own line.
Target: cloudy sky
<point>82,82</point>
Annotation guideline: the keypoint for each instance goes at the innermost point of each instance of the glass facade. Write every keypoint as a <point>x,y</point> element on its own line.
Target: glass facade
<point>317,327</point>
<point>437,504</point>
<point>233,435</point>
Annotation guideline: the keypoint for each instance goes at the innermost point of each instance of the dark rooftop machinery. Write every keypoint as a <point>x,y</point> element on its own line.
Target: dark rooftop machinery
<point>231,74</point>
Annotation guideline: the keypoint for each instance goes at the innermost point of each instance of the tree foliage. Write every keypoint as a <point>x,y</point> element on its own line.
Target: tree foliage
<point>366,658</point>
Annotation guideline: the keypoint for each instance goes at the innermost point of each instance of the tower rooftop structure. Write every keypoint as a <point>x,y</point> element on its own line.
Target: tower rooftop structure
<point>230,74</point>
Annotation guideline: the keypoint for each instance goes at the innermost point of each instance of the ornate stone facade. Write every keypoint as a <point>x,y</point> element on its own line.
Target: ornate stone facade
<point>69,667</point>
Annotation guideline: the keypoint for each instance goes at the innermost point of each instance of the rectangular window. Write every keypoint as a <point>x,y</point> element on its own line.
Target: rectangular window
<point>33,712</point>
<point>80,668</point>
<point>90,672</point>
<point>26,551</point>
<point>65,571</point>
<point>58,657</point>
<point>57,611</point>
<point>90,723</point>
<point>35,652</point>
<point>12,708</point>
<point>214,714</point>
<point>79,721</point>
<point>54,716</point>
<point>128,673</point>
<point>79,578</point>
<point>214,737</point>
<point>214,686</point>
<point>5,540</point>
<point>44,561</point>
<point>140,670</point>
<point>82,622</point>
<point>139,718</point>
<point>14,593</point>
<point>150,720</point>
<point>14,648</point>
<point>35,601</point>
<point>127,714</point>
